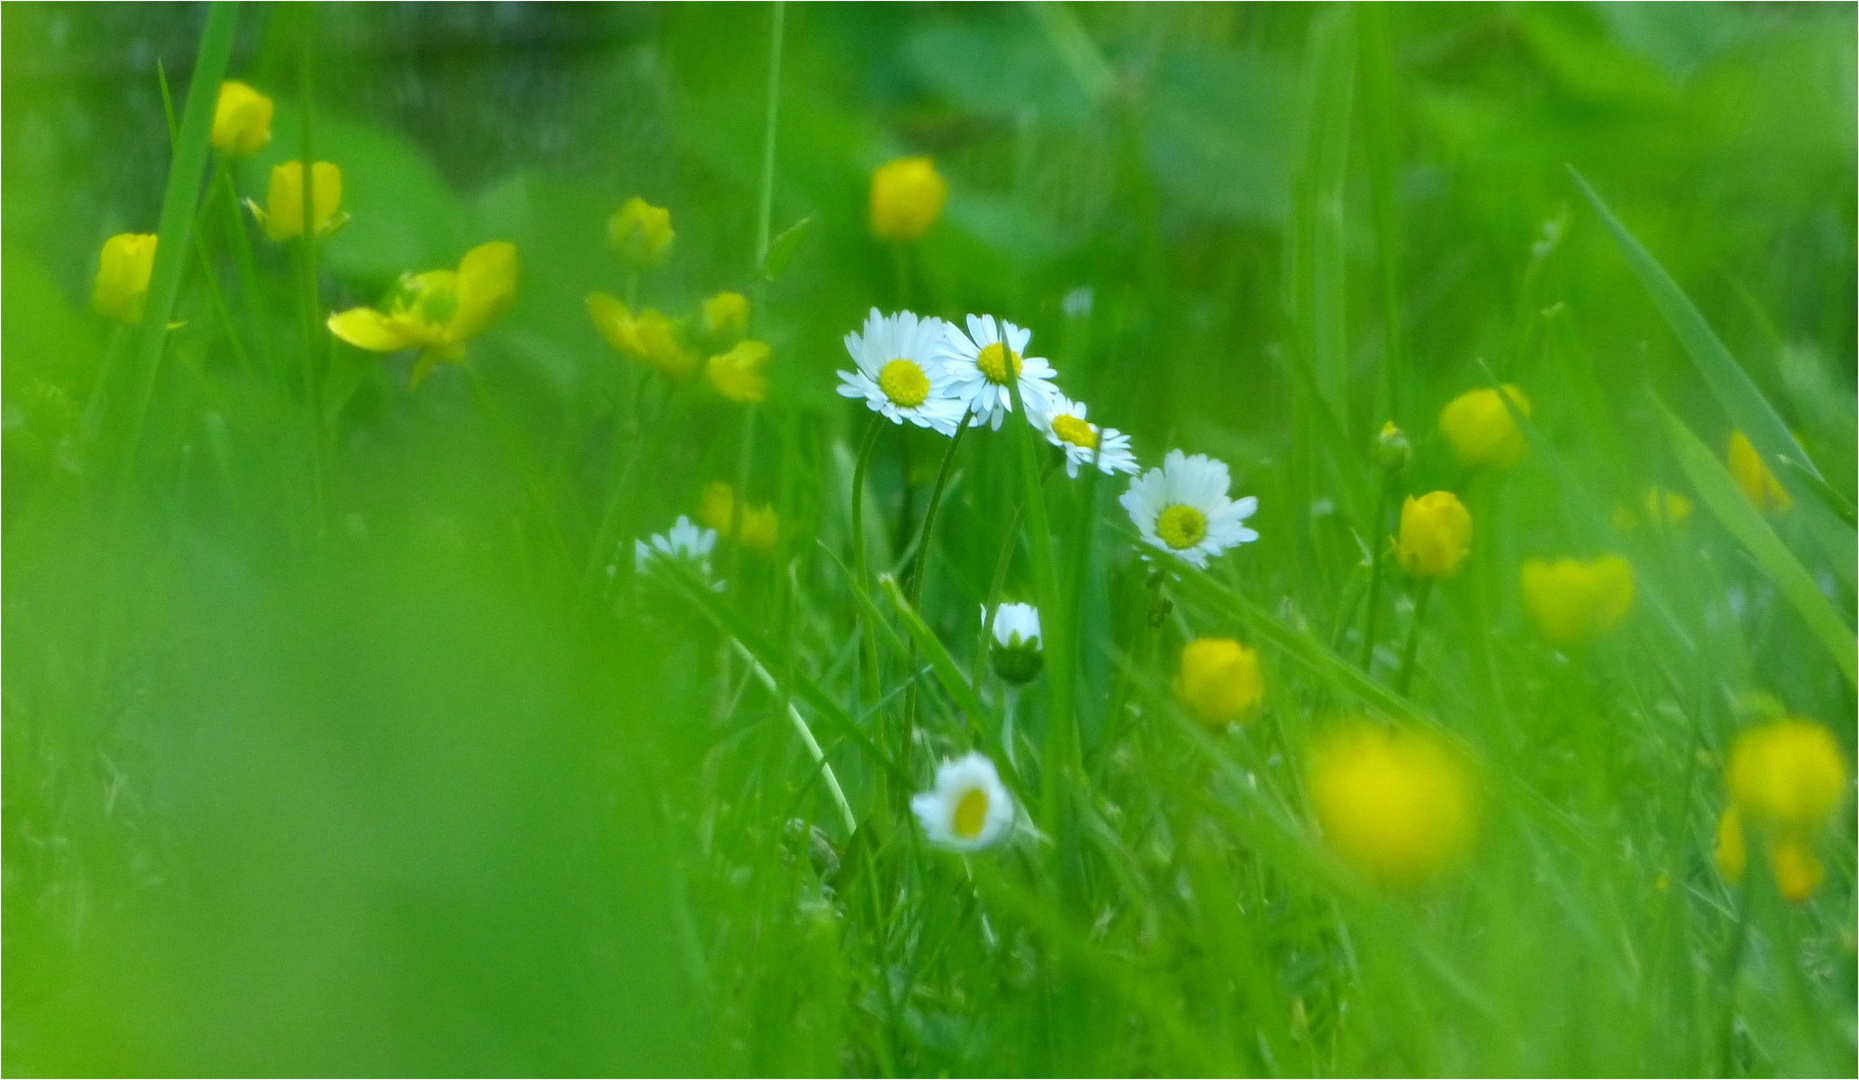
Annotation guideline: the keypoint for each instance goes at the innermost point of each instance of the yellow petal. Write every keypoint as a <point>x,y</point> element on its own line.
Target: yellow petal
<point>366,328</point>
<point>615,322</point>
<point>486,288</point>
<point>241,120</point>
<point>284,200</point>
<point>123,269</point>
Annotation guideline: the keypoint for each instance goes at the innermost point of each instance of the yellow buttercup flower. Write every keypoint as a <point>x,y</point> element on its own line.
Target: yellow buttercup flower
<point>1792,860</point>
<point>283,213</point>
<point>241,120</point>
<point>1481,430</point>
<point>1436,535</point>
<point>725,319</point>
<point>737,374</point>
<point>437,311</point>
<point>123,269</point>
<point>906,199</point>
<point>648,337</point>
<point>717,508</point>
<point>1571,601</point>
<point>1219,681</point>
<point>1788,776</point>
<point>1395,805</point>
<point>640,233</point>
<point>1662,507</point>
<point>1752,475</point>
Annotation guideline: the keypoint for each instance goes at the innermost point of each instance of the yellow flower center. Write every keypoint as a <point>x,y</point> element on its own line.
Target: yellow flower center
<point>1181,527</point>
<point>1075,431</point>
<point>904,383</point>
<point>993,362</point>
<point>971,813</point>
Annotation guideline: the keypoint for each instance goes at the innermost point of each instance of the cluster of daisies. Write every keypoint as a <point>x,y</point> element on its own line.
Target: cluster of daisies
<point>947,378</point>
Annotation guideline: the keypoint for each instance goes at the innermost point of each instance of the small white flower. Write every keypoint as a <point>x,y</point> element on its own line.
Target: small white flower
<point>1084,443</point>
<point>969,808</point>
<point>685,542</point>
<point>1015,625</point>
<point>1077,303</point>
<point>982,368</point>
<point>1182,508</point>
<point>900,371</point>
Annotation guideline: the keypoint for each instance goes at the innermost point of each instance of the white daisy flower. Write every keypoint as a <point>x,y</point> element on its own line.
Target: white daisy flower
<point>979,363</point>
<point>1085,444</point>
<point>1182,508</point>
<point>969,808</point>
<point>685,542</point>
<point>900,371</point>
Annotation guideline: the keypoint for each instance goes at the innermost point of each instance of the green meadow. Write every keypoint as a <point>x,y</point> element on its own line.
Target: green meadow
<point>539,592</point>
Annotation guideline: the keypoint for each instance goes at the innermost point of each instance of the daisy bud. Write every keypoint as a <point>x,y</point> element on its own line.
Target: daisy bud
<point>241,120</point>
<point>640,234</point>
<point>1219,681</point>
<point>1396,806</point>
<point>1572,602</point>
<point>1393,450</point>
<point>906,199</point>
<point>1752,475</point>
<point>283,217</point>
<point>725,319</point>
<point>1481,430</point>
<point>1016,652</point>
<point>123,269</point>
<point>1436,535</point>
<point>737,374</point>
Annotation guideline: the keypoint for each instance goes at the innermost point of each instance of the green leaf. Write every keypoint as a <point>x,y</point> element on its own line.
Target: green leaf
<point>1715,486</point>
<point>781,249</point>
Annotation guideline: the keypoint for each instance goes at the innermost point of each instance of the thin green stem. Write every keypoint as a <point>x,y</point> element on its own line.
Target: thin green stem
<point>1374,576</point>
<point>920,570</point>
<point>1424,594</point>
<point>869,674</point>
<point>313,336</point>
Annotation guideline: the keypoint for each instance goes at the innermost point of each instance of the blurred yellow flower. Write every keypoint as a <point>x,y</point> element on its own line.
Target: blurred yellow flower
<point>648,337</point>
<point>283,213</point>
<point>717,508</point>
<point>123,269</point>
<point>1662,507</point>
<point>1220,681</point>
<point>241,120</point>
<point>1436,535</point>
<point>906,199</point>
<point>737,374</point>
<point>1787,776</point>
<point>1792,860</point>
<point>436,311</point>
<point>1481,430</point>
<point>1752,475</point>
<point>1395,805</point>
<point>1572,602</point>
<point>725,319</point>
<point>640,233</point>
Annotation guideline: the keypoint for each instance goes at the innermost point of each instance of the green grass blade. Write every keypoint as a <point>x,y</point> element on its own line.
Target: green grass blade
<point>1719,492</point>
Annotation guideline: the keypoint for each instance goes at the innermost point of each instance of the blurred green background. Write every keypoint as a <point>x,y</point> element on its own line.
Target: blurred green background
<point>346,785</point>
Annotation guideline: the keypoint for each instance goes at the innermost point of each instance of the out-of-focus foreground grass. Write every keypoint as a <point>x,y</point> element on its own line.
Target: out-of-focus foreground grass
<point>340,736</point>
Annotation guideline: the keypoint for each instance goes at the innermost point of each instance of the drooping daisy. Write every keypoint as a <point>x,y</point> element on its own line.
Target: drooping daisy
<point>900,373</point>
<point>982,369</point>
<point>1182,508</point>
<point>1017,654</point>
<point>685,543</point>
<point>969,808</point>
<point>1084,443</point>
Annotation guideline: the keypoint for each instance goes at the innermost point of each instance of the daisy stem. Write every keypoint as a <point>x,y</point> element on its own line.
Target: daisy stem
<point>1374,577</point>
<point>1413,636</point>
<point>807,739</point>
<point>869,677</point>
<point>312,301</point>
<point>921,569</point>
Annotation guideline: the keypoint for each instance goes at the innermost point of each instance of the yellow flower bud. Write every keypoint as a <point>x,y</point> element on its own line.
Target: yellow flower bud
<point>1393,450</point>
<point>1662,507</point>
<point>284,201</point>
<point>640,233</point>
<point>1752,475</point>
<point>1480,429</point>
<point>1787,776</point>
<point>1572,602</point>
<point>1394,805</point>
<point>1220,681</point>
<point>906,199</point>
<point>1792,860</point>
<point>737,374</point>
<point>1436,535</point>
<point>725,319</point>
<point>241,120</point>
<point>717,508</point>
<point>123,269</point>
<point>648,337</point>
